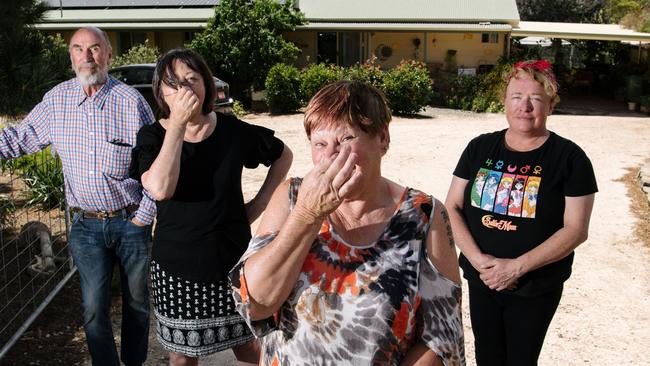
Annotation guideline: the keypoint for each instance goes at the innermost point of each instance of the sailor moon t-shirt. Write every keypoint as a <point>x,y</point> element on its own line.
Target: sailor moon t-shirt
<point>514,201</point>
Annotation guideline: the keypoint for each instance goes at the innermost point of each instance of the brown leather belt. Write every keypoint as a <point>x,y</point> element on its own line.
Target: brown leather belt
<point>125,212</point>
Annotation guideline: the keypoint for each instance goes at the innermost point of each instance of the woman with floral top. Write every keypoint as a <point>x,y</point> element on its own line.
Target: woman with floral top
<point>348,267</point>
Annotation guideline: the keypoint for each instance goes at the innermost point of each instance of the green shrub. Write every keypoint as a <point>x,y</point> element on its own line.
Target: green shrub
<point>29,68</point>
<point>644,100</point>
<point>460,92</point>
<point>442,84</point>
<point>7,209</point>
<point>238,108</point>
<point>140,54</point>
<point>283,89</point>
<point>45,184</point>
<point>43,177</point>
<point>368,73</point>
<point>243,40</point>
<point>316,76</point>
<point>491,87</point>
<point>480,93</point>
<point>408,87</point>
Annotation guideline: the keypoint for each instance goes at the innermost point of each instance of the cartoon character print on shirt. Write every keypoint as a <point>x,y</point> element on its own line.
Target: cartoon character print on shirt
<point>477,187</point>
<point>517,196</point>
<point>503,194</point>
<point>512,193</point>
<point>490,190</point>
<point>530,197</point>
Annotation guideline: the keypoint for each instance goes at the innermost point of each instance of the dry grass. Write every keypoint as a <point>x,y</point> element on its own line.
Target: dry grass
<point>640,205</point>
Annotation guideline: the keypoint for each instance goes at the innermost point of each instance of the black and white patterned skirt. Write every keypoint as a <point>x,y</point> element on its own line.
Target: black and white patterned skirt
<point>195,318</point>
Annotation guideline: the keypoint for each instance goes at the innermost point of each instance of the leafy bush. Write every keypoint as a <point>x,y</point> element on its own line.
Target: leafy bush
<point>283,89</point>
<point>461,92</point>
<point>140,54</point>
<point>45,184</point>
<point>7,209</point>
<point>30,67</point>
<point>480,93</point>
<point>316,76</point>
<point>243,40</point>
<point>644,100</point>
<point>491,87</point>
<point>31,63</point>
<point>43,177</point>
<point>238,108</point>
<point>407,87</point>
<point>368,73</point>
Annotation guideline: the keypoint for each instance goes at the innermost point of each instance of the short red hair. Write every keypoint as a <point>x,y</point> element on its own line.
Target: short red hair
<point>348,102</point>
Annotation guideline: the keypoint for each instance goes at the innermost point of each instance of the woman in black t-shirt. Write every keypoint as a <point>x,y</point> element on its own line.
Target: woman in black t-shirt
<point>191,162</point>
<point>519,203</point>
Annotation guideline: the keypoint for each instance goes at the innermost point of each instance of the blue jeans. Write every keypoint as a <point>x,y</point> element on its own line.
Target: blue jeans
<point>96,245</point>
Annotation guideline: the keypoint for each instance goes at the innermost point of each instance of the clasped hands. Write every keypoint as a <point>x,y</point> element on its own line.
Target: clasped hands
<point>499,273</point>
<point>323,189</point>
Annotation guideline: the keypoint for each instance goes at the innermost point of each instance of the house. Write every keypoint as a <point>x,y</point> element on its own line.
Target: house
<point>340,31</point>
<point>470,34</point>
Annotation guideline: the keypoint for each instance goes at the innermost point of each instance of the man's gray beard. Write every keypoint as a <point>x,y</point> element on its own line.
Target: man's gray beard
<point>97,78</point>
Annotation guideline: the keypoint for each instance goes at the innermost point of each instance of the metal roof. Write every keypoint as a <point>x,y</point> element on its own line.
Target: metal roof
<point>440,27</point>
<point>451,11</point>
<point>495,11</point>
<point>56,4</point>
<point>124,26</point>
<point>603,32</point>
<point>91,16</point>
<point>196,18</point>
<point>165,18</point>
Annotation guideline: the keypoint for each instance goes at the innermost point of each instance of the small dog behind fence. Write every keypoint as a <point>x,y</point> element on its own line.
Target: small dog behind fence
<point>36,232</point>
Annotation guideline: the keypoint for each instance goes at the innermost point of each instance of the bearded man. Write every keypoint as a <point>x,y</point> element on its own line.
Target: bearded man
<point>91,122</point>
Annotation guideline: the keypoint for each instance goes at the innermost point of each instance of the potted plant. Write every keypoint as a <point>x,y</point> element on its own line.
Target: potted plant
<point>644,102</point>
<point>451,64</point>
<point>631,106</point>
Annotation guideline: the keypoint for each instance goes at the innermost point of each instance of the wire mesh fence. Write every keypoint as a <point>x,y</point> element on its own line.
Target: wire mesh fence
<point>34,260</point>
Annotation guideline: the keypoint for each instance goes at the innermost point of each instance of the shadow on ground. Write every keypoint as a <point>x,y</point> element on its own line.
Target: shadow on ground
<point>584,104</point>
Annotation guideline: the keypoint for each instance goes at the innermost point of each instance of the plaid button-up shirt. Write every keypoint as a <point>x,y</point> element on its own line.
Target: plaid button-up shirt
<point>93,136</point>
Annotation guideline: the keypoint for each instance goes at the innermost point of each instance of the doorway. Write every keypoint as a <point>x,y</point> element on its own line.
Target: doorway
<point>340,48</point>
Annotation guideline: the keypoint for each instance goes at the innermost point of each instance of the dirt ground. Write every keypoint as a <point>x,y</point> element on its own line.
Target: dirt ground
<point>603,318</point>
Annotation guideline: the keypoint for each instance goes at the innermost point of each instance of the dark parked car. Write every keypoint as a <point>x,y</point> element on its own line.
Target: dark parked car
<point>139,76</point>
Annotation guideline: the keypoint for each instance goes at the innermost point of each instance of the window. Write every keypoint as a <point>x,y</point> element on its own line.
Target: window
<point>490,38</point>
<point>130,39</point>
<point>189,36</point>
<point>141,76</point>
<point>120,75</point>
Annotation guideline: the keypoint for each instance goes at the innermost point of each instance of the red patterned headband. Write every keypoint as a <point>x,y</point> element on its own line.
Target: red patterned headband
<point>542,66</point>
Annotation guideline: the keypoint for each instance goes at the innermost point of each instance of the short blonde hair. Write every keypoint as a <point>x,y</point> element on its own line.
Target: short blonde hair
<point>538,70</point>
<point>348,102</point>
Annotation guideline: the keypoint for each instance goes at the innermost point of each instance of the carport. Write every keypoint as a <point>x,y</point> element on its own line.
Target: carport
<point>581,31</point>
<point>584,79</point>
<point>596,32</point>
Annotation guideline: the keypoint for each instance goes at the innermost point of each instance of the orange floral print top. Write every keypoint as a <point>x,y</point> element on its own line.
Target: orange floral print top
<point>361,305</point>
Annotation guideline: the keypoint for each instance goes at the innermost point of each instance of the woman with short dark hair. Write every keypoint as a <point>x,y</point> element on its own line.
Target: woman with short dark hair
<point>191,162</point>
